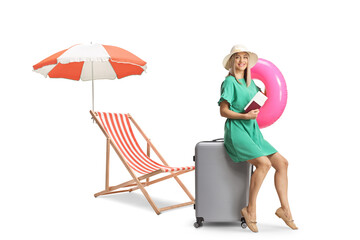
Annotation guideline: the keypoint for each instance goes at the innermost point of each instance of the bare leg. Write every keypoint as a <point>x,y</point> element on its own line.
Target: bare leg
<point>281,181</point>
<point>262,165</point>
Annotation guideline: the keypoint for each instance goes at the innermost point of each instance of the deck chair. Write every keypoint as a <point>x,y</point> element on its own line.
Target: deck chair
<point>119,134</point>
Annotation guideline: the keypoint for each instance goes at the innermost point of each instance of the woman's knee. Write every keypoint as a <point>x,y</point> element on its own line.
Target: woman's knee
<point>262,163</point>
<point>280,163</point>
<point>285,163</point>
<point>266,164</point>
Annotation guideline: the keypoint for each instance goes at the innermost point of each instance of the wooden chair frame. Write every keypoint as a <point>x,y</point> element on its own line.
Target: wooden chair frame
<point>137,182</point>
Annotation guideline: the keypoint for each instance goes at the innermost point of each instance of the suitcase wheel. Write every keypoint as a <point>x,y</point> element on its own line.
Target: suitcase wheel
<point>243,223</point>
<point>199,222</point>
<point>196,224</point>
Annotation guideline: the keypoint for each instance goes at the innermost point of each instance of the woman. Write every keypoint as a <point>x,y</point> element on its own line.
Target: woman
<point>243,139</point>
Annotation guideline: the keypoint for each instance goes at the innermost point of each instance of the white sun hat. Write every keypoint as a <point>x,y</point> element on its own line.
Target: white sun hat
<point>240,48</point>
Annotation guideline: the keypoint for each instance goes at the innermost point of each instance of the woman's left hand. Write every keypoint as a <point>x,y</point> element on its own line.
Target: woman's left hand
<point>253,114</point>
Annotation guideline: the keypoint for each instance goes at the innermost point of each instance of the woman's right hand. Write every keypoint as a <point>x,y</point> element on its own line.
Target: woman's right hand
<point>253,114</point>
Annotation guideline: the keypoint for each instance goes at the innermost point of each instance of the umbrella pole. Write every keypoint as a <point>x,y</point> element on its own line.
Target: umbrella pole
<point>92,84</point>
<point>92,94</point>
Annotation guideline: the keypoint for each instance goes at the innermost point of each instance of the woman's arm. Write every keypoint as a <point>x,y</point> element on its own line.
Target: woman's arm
<point>227,113</point>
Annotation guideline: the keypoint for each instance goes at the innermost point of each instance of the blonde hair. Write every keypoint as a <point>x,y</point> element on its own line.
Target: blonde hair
<point>230,66</point>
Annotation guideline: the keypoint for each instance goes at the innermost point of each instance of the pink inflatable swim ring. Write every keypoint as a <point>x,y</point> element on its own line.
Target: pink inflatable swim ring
<point>276,92</point>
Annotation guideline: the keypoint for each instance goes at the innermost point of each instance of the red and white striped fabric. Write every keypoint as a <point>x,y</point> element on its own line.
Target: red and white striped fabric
<point>119,129</point>
<point>91,62</point>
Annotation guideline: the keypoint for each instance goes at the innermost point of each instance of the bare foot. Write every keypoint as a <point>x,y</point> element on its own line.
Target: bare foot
<point>287,213</point>
<point>251,214</point>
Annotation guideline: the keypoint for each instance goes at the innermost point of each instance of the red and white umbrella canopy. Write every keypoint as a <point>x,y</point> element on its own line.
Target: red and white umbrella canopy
<point>91,62</point>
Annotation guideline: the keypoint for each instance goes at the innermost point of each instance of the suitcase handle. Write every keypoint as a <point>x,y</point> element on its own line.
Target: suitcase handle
<point>218,140</point>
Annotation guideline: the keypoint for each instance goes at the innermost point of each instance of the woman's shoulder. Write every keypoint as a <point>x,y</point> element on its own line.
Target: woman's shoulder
<point>229,80</point>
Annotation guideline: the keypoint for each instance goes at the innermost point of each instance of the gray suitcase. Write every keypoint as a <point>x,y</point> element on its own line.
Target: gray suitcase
<point>221,185</point>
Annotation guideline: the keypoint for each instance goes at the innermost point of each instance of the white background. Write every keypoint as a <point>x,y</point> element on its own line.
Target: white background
<point>53,156</point>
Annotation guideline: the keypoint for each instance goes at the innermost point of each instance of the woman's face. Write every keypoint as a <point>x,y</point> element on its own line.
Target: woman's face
<point>241,61</point>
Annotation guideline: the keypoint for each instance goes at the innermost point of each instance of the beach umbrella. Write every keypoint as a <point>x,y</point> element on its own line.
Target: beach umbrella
<point>90,62</point>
